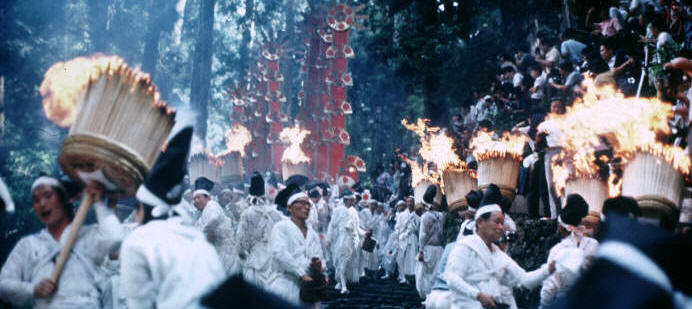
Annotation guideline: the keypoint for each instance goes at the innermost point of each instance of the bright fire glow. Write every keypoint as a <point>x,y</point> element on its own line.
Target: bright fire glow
<point>237,137</point>
<point>485,146</point>
<point>294,137</point>
<point>604,119</point>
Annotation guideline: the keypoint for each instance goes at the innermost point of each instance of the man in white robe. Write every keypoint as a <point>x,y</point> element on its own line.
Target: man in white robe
<point>477,268</point>
<point>400,240</point>
<point>573,254</point>
<point>254,230</point>
<point>293,245</point>
<point>216,226</point>
<point>408,242</point>
<point>25,276</point>
<point>345,230</point>
<point>430,243</point>
<point>368,223</point>
<point>166,262</point>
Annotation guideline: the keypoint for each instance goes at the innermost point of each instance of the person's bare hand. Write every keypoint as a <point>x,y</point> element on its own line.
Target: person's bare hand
<point>486,300</point>
<point>420,256</point>
<point>551,267</point>
<point>306,278</point>
<point>96,190</point>
<point>45,288</point>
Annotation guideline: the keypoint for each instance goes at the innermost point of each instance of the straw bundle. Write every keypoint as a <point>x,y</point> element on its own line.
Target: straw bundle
<point>289,169</point>
<point>655,184</point>
<point>200,166</point>
<point>594,191</point>
<point>231,169</point>
<point>501,171</point>
<point>457,185</point>
<point>120,127</point>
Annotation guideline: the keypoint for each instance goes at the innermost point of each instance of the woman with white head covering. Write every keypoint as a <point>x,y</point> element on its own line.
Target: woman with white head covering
<point>477,268</point>
<point>25,277</point>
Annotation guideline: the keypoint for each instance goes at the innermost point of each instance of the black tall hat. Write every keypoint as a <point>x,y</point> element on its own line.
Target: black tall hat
<point>491,195</point>
<point>256,185</point>
<point>429,196</point>
<point>163,187</point>
<point>282,197</point>
<point>203,183</point>
<point>575,210</point>
<point>299,180</point>
<point>474,198</point>
<point>242,294</point>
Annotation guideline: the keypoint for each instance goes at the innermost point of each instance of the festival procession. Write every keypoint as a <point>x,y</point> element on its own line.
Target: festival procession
<point>345,154</point>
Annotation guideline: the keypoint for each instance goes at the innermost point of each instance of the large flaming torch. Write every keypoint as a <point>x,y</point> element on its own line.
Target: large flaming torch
<point>231,160</point>
<point>438,148</point>
<point>631,127</point>
<point>498,160</point>
<point>118,127</point>
<point>294,161</point>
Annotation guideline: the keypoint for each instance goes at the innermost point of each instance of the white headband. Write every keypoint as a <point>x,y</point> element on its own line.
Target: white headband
<point>487,209</point>
<point>46,180</point>
<point>296,197</point>
<point>200,191</point>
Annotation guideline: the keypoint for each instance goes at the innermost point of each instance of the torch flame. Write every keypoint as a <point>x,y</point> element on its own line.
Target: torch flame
<point>237,137</point>
<point>485,146</point>
<point>294,137</point>
<point>603,119</point>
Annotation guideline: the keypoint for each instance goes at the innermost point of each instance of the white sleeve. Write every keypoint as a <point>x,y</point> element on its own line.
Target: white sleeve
<point>243,235</point>
<point>515,275</point>
<point>281,254</point>
<point>548,291</point>
<point>456,268</point>
<point>110,232</point>
<point>136,283</point>
<point>15,278</point>
<point>424,232</point>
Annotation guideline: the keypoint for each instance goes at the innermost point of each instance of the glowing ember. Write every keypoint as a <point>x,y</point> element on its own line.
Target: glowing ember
<point>606,119</point>
<point>237,137</point>
<point>436,146</point>
<point>485,146</point>
<point>294,137</point>
<point>421,173</point>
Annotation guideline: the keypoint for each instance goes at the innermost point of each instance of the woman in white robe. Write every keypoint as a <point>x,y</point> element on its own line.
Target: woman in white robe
<point>293,244</point>
<point>24,278</point>
<point>477,268</point>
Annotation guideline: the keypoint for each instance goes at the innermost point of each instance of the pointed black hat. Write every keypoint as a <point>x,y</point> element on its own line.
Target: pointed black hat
<point>256,184</point>
<point>163,187</point>
<point>575,210</point>
<point>203,183</point>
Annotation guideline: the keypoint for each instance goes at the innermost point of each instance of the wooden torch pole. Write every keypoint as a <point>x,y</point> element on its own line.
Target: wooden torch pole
<point>82,211</point>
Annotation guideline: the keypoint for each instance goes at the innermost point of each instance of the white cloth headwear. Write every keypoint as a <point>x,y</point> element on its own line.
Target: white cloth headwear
<point>486,209</point>
<point>47,180</point>
<point>296,196</point>
<point>200,191</point>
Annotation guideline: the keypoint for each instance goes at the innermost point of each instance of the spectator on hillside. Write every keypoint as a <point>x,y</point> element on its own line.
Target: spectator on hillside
<point>570,76</point>
<point>548,54</point>
<point>570,48</point>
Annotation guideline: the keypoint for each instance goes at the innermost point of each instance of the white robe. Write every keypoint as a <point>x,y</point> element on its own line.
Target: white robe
<point>291,255</point>
<point>220,233</point>
<point>168,264</point>
<point>563,277</point>
<point>473,268</point>
<point>408,242</point>
<point>253,234</point>
<point>399,240</point>
<point>430,236</point>
<point>368,222</point>
<point>32,260</point>
<point>345,230</point>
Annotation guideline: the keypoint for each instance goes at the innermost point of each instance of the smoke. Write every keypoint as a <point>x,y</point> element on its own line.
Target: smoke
<point>185,117</point>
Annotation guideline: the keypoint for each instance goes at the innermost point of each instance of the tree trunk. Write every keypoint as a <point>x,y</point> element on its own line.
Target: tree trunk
<point>201,69</point>
<point>97,17</point>
<point>151,40</point>
<point>244,50</point>
<point>290,66</point>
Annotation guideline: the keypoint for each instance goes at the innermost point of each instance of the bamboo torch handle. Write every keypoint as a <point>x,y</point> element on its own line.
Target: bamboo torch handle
<point>82,211</point>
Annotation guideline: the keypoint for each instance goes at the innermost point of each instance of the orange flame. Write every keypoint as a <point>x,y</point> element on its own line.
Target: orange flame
<point>605,118</point>
<point>237,137</point>
<point>294,137</point>
<point>420,173</point>
<point>485,146</point>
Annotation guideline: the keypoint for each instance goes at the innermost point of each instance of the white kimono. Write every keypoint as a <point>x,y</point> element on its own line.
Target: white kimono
<point>253,234</point>
<point>167,264</point>
<point>430,236</point>
<point>220,233</point>
<point>368,222</point>
<point>32,260</point>
<point>291,255</point>
<point>400,241</point>
<point>473,268</point>
<point>344,229</point>
<point>313,217</point>
<point>566,270</point>
<point>408,242</point>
